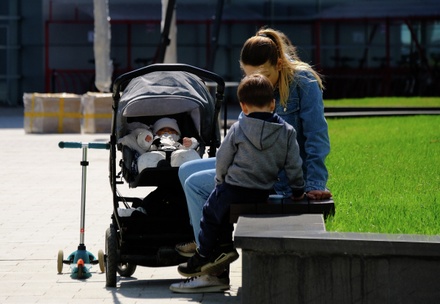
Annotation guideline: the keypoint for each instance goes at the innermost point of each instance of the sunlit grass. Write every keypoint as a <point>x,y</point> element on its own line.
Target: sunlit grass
<point>385,102</point>
<point>385,174</point>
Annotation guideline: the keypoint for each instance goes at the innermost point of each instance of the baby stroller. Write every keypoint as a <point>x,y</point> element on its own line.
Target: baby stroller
<point>160,90</point>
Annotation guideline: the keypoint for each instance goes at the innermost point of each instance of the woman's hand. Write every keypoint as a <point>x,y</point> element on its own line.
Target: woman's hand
<point>319,194</point>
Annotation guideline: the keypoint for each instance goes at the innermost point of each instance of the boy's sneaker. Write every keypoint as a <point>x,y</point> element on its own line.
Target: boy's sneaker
<point>198,265</point>
<point>201,284</point>
<point>186,249</point>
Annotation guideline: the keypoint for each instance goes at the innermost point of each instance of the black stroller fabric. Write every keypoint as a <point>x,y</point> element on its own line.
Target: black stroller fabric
<point>148,238</point>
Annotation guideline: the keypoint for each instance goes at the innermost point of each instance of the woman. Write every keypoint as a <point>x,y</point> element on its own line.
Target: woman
<point>298,96</point>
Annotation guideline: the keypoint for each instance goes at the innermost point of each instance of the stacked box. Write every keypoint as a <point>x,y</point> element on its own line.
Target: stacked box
<point>52,113</point>
<point>97,112</point>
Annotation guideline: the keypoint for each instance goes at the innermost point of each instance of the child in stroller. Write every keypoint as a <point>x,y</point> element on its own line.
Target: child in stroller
<point>166,148</point>
<point>162,150</point>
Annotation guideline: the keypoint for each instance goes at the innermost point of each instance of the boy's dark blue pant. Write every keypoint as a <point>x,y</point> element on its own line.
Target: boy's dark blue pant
<point>215,228</point>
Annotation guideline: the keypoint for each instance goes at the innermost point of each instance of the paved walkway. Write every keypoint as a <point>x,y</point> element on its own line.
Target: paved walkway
<point>40,208</point>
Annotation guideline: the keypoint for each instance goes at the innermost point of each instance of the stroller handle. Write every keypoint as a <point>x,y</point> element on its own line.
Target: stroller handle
<point>91,145</point>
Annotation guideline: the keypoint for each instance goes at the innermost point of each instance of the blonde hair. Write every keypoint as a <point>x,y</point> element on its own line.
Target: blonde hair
<point>270,45</point>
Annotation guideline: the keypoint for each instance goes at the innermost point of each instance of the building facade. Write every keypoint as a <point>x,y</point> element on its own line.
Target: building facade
<point>361,47</point>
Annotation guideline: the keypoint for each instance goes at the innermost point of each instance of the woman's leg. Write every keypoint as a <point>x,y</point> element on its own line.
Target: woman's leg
<point>193,166</point>
<point>197,189</point>
<point>198,181</point>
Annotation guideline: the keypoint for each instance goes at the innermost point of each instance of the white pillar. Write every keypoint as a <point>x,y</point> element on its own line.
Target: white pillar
<point>101,46</point>
<point>171,51</point>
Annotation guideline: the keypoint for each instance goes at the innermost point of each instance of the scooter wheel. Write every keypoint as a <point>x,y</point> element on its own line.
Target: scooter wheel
<point>80,267</point>
<point>60,261</point>
<point>101,260</point>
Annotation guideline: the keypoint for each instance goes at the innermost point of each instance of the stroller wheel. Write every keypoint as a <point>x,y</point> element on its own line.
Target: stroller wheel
<point>126,269</point>
<point>101,260</point>
<point>111,262</point>
<point>60,261</point>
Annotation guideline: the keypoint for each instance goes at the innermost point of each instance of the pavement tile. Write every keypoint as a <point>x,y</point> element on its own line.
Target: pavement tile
<point>40,201</point>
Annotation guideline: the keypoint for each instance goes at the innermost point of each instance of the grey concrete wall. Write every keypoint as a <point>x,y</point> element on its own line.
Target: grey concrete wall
<point>292,259</point>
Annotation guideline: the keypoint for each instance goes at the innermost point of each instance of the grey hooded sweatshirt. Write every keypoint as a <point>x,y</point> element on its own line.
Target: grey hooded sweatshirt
<point>255,150</point>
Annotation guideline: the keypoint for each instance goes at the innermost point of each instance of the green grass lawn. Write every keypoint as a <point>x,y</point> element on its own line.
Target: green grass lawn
<point>385,174</point>
<point>385,102</point>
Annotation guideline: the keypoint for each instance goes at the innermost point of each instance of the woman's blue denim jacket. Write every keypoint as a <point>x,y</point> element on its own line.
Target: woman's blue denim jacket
<point>305,112</point>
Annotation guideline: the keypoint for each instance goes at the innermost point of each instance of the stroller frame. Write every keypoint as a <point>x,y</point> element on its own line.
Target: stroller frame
<point>125,249</point>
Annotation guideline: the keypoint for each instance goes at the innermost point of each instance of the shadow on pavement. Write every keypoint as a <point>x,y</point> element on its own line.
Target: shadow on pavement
<point>159,289</point>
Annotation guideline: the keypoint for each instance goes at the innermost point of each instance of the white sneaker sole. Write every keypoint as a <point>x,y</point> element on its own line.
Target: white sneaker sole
<point>204,289</point>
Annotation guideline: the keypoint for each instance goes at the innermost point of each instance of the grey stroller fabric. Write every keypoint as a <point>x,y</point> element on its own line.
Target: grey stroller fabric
<point>166,93</point>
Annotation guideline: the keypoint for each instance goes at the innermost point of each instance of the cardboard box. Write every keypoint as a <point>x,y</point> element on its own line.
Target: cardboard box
<point>97,112</point>
<point>52,113</point>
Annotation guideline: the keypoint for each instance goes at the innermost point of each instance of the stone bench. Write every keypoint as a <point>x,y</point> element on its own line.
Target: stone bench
<point>293,259</point>
<point>283,206</point>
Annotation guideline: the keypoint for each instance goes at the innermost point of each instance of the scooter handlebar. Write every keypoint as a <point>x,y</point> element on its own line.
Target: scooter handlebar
<point>91,145</point>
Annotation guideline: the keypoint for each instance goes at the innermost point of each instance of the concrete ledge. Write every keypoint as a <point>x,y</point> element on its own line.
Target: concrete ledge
<point>282,207</point>
<point>292,259</point>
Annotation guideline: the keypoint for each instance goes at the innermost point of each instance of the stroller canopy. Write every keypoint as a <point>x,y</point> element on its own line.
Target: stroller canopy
<point>166,93</point>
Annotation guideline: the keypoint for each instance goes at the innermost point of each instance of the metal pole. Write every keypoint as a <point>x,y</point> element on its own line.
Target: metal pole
<point>84,164</point>
<point>215,34</point>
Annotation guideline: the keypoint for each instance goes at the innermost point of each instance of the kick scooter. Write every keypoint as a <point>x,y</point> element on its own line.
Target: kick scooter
<point>81,260</point>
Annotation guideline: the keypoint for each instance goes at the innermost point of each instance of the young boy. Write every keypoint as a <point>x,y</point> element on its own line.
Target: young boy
<point>255,149</point>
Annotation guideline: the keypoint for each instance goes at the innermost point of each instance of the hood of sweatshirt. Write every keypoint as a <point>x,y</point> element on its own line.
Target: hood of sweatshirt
<point>261,133</point>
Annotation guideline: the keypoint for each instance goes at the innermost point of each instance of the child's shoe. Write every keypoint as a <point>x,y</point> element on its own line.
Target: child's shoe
<point>186,249</point>
<point>199,265</point>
